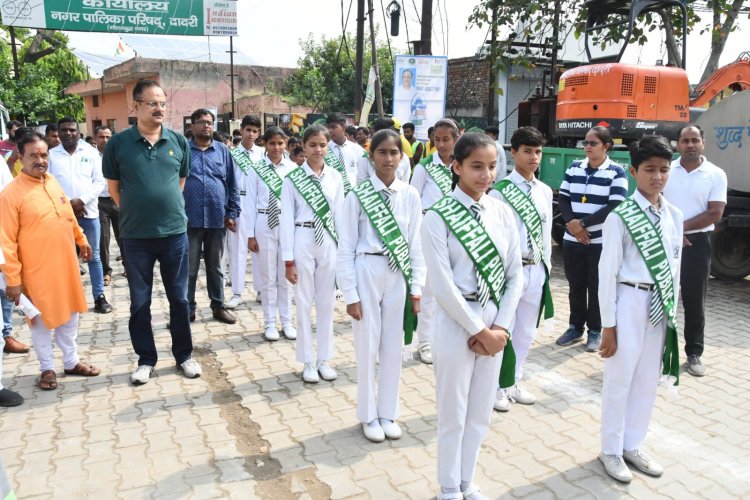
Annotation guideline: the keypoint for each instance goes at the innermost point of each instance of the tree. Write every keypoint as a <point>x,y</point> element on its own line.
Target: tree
<point>326,77</point>
<point>46,68</point>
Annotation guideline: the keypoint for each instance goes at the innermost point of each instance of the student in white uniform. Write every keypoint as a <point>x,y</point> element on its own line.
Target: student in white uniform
<point>379,250</point>
<point>311,200</point>
<point>237,240</point>
<point>475,307</point>
<point>432,180</point>
<point>530,200</point>
<point>343,154</point>
<point>263,217</point>
<point>639,276</point>
<point>365,168</point>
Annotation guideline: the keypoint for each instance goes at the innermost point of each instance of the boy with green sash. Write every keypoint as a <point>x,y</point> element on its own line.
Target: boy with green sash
<point>530,200</point>
<point>638,286</point>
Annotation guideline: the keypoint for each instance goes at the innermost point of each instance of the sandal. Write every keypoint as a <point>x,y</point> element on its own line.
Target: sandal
<point>83,370</point>
<point>107,280</point>
<point>48,380</point>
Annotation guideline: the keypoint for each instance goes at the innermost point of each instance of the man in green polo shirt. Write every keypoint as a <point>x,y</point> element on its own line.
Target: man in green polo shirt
<point>145,167</point>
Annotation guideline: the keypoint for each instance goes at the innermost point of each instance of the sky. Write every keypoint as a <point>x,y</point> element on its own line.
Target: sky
<point>269,33</point>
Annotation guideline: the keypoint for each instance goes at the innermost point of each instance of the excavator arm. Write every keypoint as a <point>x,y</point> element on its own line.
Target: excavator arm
<point>736,74</point>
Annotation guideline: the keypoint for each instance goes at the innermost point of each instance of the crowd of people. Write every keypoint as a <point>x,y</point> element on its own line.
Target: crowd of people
<point>345,213</point>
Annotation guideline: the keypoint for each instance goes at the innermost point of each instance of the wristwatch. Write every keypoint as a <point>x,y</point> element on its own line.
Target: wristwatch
<point>583,224</point>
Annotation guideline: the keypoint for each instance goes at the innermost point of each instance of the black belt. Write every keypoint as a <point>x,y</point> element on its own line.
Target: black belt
<point>703,235</point>
<point>381,254</point>
<point>472,297</point>
<point>266,211</point>
<point>528,262</point>
<point>649,287</point>
<point>106,197</point>
<point>310,225</point>
<point>424,211</point>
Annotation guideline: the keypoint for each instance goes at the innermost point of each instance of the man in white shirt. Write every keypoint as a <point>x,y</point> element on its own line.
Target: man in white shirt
<point>78,168</point>
<point>699,189</point>
<point>346,151</point>
<point>109,212</point>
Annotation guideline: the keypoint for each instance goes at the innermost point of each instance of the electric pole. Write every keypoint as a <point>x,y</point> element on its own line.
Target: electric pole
<point>359,63</point>
<point>426,41</point>
<point>231,73</point>
<point>378,91</point>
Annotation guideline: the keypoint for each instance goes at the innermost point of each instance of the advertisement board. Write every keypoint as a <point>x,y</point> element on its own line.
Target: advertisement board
<point>419,88</point>
<point>151,17</point>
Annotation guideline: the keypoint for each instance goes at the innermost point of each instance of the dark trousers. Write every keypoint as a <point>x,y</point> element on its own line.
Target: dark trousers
<point>211,241</point>
<point>172,254</point>
<point>582,272</point>
<point>694,271</point>
<point>109,216</point>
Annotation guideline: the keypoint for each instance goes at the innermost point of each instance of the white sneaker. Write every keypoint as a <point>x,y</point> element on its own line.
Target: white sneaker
<point>310,374</point>
<point>502,403</point>
<point>472,493</point>
<point>521,396</point>
<point>643,463</point>
<point>257,298</point>
<point>271,333</point>
<point>191,368</point>
<point>373,431</point>
<point>290,332</point>
<point>615,466</point>
<point>326,372</point>
<point>232,303</point>
<point>390,428</point>
<point>141,374</point>
<point>425,353</point>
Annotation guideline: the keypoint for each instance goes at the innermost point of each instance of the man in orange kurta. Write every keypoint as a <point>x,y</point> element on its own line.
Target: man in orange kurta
<point>38,231</point>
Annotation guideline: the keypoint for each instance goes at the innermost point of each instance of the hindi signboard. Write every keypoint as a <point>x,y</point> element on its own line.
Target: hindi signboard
<point>151,17</point>
<point>419,89</point>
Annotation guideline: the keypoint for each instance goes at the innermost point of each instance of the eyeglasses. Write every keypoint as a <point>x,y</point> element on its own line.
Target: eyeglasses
<point>205,122</point>
<point>590,143</point>
<point>153,104</point>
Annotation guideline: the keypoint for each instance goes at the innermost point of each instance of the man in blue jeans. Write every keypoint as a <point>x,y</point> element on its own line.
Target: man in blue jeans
<point>77,167</point>
<point>146,167</point>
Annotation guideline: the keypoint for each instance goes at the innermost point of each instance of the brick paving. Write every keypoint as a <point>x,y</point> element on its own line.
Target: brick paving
<point>250,428</point>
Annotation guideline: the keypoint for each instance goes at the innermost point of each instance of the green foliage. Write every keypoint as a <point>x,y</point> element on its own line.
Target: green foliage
<point>326,77</point>
<point>38,94</point>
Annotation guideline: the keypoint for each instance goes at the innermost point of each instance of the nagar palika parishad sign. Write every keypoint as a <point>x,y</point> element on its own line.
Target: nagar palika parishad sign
<point>155,17</point>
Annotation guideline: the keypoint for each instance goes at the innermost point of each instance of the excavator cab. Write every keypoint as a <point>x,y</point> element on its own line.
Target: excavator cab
<point>631,100</point>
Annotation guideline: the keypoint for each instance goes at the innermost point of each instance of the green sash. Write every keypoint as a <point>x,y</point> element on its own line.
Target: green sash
<point>332,160</point>
<point>270,177</point>
<point>651,247</point>
<point>313,196</point>
<point>243,160</point>
<point>529,215</point>
<point>486,258</point>
<point>439,174</point>
<point>385,225</point>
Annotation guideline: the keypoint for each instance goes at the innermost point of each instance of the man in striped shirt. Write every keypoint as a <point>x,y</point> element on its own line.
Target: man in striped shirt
<point>590,190</point>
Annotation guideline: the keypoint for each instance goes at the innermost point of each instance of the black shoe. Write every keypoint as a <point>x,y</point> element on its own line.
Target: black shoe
<point>192,316</point>
<point>224,316</point>
<point>101,305</point>
<point>10,398</point>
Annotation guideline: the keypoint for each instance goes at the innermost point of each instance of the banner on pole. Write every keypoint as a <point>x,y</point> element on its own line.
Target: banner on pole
<point>419,91</point>
<point>151,17</point>
<point>369,98</point>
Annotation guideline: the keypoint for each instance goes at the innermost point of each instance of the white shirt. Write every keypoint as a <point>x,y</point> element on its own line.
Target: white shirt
<point>502,161</point>
<point>350,152</point>
<point>365,169</point>
<point>357,236</point>
<point>258,192</point>
<point>541,195</point>
<point>256,153</point>
<point>79,174</point>
<point>452,274</point>
<point>294,208</point>
<point>691,192</point>
<point>621,261</point>
<point>426,185</point>
<point>105,191</point>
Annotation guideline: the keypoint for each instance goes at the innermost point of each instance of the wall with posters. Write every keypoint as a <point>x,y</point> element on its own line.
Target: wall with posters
<point>419,90</point>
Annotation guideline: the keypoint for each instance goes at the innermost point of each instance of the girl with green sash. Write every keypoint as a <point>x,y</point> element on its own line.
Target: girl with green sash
<point>381,271</point>
<point>471,247</point>
<point>432,180</point>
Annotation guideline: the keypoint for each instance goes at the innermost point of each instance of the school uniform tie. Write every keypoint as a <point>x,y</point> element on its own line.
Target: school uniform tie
<point>344,174</point>
<point>534,250</point>
<point>273,207</point>
<point>483,289</point>
<point>318,225</point>
<point>656,311</point>
<point>388,198</point>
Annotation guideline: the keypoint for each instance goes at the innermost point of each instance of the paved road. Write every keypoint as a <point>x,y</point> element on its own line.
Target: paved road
<point>249,428</point>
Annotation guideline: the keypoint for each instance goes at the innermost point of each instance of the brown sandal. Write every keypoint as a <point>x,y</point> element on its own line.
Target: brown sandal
<point>107,280</point>
<point>83,370</point>
<point>48,380</point>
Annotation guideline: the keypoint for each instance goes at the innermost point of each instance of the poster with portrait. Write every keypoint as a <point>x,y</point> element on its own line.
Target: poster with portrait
<point>419,91</point>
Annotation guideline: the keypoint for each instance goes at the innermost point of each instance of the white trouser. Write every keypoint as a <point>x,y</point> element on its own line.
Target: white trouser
<point>426,323</point>
<point>631,376</point>
<point>523,327</point>
<point>316,278</point>
<point>465,385</point>
<point>65,338</point>
<point>276,291</point>
<point>237,246</point>
<point>378,335</point>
